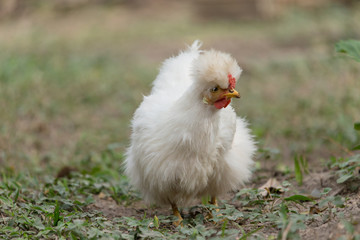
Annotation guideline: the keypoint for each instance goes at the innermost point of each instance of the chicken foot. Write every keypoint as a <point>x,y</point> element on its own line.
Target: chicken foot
<point>176,214</point>
<point>214,202</point>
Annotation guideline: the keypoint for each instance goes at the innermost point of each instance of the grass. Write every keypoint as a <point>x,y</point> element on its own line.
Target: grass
<point>69,86</point>
<point>57,208</point>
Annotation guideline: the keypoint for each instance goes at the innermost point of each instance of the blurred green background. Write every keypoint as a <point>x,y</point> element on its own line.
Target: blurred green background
<point>73,72</point>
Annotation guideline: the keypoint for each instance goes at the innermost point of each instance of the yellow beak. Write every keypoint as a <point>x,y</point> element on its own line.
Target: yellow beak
<point>232,93</point>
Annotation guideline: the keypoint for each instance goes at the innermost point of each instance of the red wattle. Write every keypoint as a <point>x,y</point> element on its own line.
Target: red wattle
<point>223,103</point>
<point>227,103</point>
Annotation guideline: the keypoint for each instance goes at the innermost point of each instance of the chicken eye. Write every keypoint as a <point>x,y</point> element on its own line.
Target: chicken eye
<point>214,89</point>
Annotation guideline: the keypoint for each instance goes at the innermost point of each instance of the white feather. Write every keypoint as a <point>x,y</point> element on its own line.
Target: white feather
<point>181,148</point>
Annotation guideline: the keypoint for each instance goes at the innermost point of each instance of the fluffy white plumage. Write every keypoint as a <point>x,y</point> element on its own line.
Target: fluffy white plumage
<point>182,146</point>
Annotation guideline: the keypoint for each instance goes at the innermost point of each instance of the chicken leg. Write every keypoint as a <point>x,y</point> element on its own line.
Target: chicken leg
<point>214,202</point>
<point>176,214</point>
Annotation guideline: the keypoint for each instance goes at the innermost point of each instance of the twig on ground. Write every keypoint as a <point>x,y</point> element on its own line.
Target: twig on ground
<point>339,145</point>
<point>286,231</point>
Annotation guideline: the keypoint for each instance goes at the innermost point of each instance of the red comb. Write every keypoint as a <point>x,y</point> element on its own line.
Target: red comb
<point>232,81</point>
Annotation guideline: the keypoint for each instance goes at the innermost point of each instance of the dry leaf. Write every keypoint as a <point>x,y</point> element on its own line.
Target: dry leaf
<point>316,210</point>
<point>101,195</point>
<point>271,186</point>
<point>65,172</point>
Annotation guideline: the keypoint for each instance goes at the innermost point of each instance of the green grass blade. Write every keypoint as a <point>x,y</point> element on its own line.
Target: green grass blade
<point>16,195</point>
<point>297,198</point>
<point>298,173</point>
<point>56,215</point>
<point>223,227</point>
<point>244,237</point>
<point>156,222</point>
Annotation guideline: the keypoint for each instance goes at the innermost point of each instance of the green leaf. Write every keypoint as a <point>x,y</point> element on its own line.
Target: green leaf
<point>56,215</point>
<point>356,148</point>
<point>38,224</point>
<point>326,190</point>
<point>349,47</point>
<point>344,178</point>
<point>297,198</point>
<point>338,201</point>
<point>357,126</point>
<point>156,222</point>
<point>298,173</point>
<point>348,226</point>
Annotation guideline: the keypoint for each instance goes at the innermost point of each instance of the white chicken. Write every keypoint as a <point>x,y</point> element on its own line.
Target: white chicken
<point>186,141</point>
